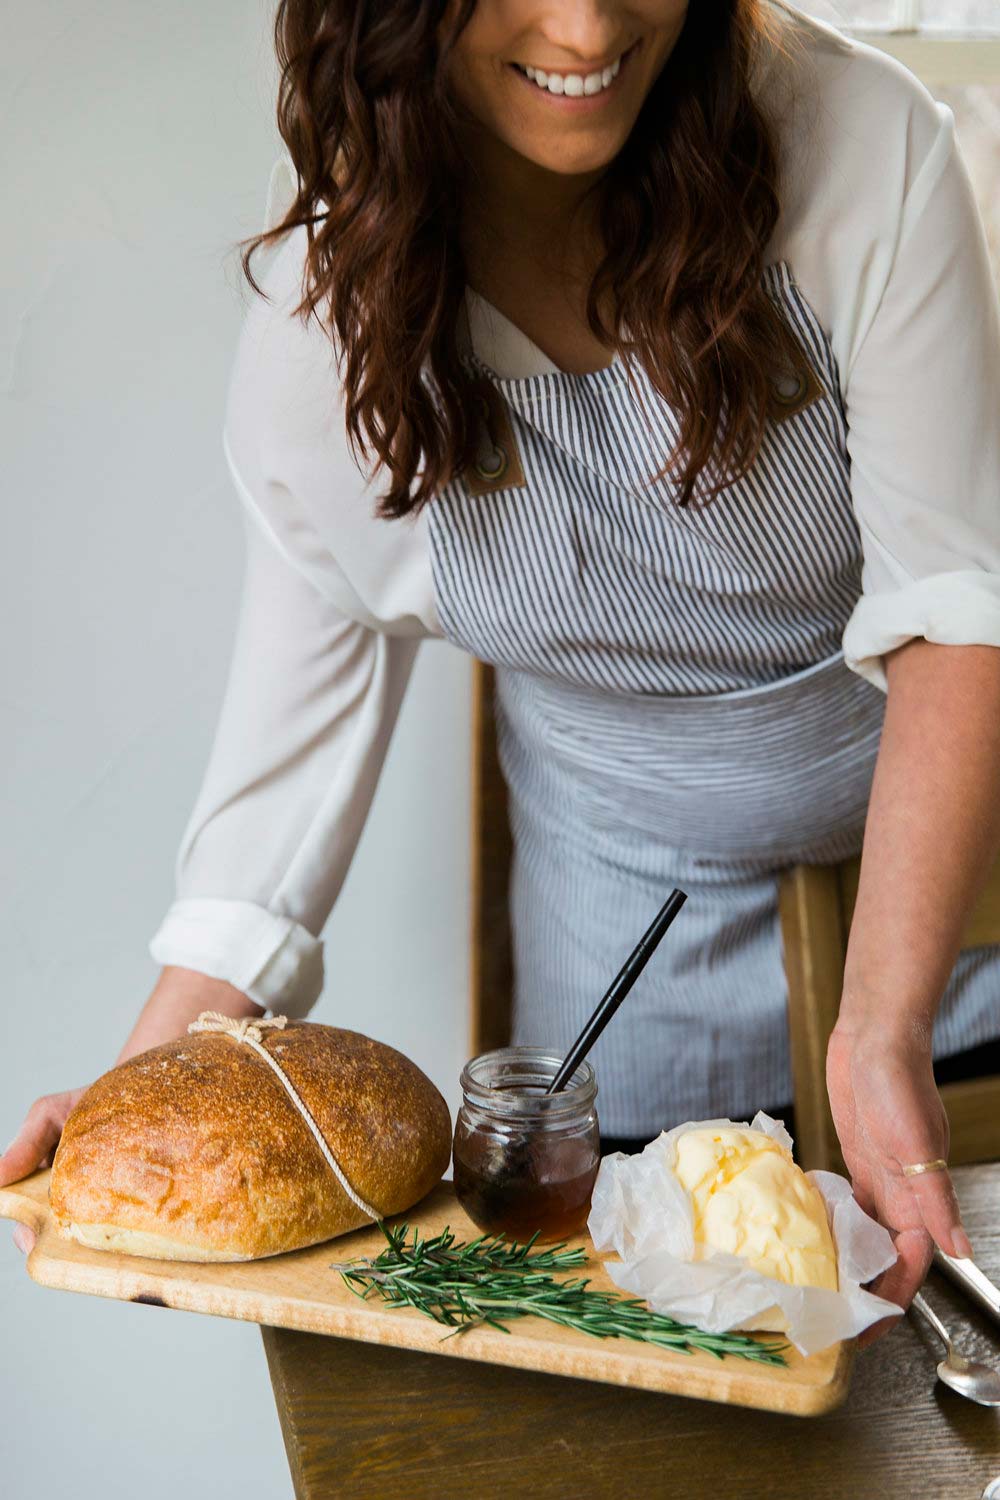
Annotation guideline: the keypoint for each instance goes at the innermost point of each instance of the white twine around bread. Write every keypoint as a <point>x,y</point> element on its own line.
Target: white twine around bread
<point>250,1029</point>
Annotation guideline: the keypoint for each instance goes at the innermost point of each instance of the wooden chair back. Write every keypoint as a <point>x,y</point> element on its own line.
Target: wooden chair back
<point>492,971</point>
<point>816,905</point>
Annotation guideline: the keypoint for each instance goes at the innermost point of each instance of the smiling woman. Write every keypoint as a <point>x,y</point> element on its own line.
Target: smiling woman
<point>623,208</point>
<point>693,568</point>
<point>739,585</point>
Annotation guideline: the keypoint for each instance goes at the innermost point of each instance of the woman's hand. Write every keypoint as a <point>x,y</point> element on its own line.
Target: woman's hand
<point>888,1112</point>
<point>34,1146</point>
<point>179,996</point>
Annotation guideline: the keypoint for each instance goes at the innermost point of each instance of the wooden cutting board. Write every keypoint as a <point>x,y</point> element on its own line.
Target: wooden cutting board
<point>299,1290</point>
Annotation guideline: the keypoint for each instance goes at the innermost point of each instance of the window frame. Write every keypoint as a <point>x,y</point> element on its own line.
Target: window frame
<point>940,59</point>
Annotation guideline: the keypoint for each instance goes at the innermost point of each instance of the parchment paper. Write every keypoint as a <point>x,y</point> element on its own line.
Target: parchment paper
<point>640,1210</point>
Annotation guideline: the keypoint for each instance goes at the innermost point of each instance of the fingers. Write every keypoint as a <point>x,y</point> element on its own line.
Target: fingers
<point>20,1150</point>
<point>915,1251</point>
<point>24,1238</point>
<point>877,1331</point>
<point>34,1147</point>
<point>37,1137</point>
<point>861,1188</point>
<point>898,1284</point>
<point>934,1193</point>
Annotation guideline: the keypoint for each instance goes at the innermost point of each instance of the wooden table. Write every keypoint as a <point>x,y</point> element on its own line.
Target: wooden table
<point>362,1420</point>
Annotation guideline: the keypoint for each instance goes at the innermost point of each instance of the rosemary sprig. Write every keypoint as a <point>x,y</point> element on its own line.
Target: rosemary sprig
<point>492,1280</point>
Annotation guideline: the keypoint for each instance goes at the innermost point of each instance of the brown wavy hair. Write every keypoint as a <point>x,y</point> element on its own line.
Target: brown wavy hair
<point>686,211</point>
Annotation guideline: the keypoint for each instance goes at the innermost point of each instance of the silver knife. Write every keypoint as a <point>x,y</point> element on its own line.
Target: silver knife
<point>974,1282</point>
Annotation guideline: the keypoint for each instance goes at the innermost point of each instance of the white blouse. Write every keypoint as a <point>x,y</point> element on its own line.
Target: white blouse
<point>881,229</point>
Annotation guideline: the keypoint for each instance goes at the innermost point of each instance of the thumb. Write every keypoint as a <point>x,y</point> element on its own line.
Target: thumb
<point>24,1238</point>
<point>12,1169</point>
<point>37,1137</point>
<point>26,1151</point>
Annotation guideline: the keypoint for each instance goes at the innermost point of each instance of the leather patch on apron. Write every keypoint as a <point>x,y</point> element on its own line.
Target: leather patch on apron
<point>498,463</point>
<point>793,391</point>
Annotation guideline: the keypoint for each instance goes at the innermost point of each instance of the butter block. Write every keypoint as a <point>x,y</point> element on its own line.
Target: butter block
<point>751,1199</point>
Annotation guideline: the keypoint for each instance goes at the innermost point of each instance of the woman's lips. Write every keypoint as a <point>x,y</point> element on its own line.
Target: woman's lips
<point>578,101</point>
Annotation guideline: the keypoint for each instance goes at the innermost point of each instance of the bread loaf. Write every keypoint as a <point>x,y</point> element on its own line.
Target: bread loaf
<point>194,1150</point>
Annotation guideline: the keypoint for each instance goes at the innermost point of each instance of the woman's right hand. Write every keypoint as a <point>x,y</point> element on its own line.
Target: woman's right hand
<point>179,997</point>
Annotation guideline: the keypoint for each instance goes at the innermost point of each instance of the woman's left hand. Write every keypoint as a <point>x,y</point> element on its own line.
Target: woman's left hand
<point>888,1112</point>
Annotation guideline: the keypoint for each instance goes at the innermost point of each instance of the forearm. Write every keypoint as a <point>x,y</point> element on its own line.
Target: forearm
<point>932,834</point>
<point>179,996</point>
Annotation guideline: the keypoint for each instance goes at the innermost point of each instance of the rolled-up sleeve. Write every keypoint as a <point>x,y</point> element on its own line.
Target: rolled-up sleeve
<point>319,665</point>
<point>923,411</point>
<point>308,710</point>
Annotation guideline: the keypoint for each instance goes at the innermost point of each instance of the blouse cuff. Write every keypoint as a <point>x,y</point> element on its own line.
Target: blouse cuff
<point>950,609</point>
<point>270,957</point>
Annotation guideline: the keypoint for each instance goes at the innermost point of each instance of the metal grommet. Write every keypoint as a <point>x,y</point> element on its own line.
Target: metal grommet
<point>790,387</point>
<point>499,464</point>
<point>495,461</point>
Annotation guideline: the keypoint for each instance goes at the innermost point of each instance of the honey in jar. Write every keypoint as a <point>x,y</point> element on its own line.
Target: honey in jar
<point>525,1161</point>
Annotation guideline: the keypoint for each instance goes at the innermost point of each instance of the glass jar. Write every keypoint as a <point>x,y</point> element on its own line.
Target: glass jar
<point>524,1160</point>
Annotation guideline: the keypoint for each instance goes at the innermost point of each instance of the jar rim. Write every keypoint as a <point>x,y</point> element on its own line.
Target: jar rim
<point>527,1066</point>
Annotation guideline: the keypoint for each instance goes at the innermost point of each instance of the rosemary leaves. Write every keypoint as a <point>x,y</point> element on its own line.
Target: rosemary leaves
<point>491,1280</point>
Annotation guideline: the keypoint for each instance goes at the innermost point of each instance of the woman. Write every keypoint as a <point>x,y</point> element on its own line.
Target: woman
<point>673,336</point>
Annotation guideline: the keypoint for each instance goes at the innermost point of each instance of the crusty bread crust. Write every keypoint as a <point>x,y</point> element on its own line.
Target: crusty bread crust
<point>194,1151</point>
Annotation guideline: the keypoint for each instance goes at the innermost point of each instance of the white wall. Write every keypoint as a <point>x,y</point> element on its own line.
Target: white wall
<point>136,149</point>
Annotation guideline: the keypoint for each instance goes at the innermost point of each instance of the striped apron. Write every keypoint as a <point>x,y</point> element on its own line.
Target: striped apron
<point>673,709</point>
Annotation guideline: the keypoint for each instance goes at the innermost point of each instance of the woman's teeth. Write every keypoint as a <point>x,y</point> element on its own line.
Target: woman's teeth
<point>573,84</point>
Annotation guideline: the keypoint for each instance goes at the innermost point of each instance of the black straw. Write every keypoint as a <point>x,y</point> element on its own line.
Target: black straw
<point>620,986</point>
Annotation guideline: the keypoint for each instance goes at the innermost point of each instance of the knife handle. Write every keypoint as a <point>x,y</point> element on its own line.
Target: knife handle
<point>974,1282</point>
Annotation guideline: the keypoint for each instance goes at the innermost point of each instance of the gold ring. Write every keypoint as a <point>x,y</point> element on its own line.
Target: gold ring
<point>938,1165</point>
